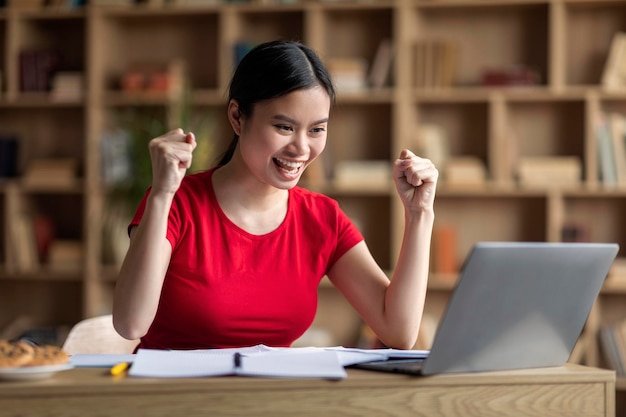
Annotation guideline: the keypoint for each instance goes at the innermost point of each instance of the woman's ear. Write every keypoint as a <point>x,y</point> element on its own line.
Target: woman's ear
<point>234,116</point>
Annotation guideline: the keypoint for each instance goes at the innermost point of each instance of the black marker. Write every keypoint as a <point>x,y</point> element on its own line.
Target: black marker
<point>237,360</point>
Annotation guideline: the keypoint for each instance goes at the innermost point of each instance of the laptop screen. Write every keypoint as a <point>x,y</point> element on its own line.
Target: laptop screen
<point>519,305</point>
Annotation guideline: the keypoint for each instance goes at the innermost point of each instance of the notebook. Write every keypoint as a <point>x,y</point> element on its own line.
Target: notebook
<point>516,305</point>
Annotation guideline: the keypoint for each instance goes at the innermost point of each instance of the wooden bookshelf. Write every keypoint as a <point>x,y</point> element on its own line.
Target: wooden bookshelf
<point>565,43</point>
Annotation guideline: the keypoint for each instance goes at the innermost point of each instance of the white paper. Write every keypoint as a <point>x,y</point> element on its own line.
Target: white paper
<point>100,360</point>
<point>296,363</point>
<point>351,356</point>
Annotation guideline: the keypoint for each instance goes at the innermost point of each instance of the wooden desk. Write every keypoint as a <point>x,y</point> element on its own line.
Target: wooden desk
<point>571,390</point>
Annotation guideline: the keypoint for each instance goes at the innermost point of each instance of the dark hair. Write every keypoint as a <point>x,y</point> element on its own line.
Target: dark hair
<point>271,70</point>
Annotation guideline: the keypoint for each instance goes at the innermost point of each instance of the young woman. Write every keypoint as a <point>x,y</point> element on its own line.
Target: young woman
<point>233,256</point>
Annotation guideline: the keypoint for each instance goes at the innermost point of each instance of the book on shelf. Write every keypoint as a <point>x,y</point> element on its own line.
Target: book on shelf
<point>614,73</point>
<point>617,123</point>
<point>67,86</point>
<point>610,147</point>
<point>363,173</point>
<point>435,63</point>
<point>22,251</point>
<point>348,74</point>
<point>37,68</point>
<point>510,76</point>
<point>379,74</point>
<point>444,251</point>
<point>466,171</point>
<point>51,172</point>
<point>549,171</point>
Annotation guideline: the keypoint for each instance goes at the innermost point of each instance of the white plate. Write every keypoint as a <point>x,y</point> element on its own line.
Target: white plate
<point>28,373</point>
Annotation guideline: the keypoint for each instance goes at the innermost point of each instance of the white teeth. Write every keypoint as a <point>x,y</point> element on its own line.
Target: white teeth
<point>290,164</point>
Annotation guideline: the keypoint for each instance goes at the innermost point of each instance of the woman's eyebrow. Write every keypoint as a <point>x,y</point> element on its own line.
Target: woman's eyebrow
<point>294,122</point>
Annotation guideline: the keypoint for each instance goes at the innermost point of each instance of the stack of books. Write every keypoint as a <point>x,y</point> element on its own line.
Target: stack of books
<point>67,86</point>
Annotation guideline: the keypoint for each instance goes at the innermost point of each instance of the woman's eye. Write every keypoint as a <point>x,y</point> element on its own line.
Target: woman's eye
<point>286,128</point>
<point>318,130</point>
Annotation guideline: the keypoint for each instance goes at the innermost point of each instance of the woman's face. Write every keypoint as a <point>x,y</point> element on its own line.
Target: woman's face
<point>284,135</point>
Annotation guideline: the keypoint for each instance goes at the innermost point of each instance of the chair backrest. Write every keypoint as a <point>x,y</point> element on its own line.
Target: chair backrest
<point>97,335</point>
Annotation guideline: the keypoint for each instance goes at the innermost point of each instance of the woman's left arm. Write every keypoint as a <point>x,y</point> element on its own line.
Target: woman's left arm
<point>393,308</point>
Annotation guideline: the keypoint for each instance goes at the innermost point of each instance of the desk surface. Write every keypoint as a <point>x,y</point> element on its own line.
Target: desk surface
<point>563,391</point>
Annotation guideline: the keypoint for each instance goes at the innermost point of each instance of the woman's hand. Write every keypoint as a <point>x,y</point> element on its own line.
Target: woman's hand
<point>416,181</point>
<point>171,156</point>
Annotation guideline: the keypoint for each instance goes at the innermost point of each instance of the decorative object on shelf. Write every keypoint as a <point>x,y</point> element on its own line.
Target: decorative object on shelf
<point>167,78</point>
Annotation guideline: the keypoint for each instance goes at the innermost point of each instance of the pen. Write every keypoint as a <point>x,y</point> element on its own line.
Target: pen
<point>237,360</point>
<point>120,368</point>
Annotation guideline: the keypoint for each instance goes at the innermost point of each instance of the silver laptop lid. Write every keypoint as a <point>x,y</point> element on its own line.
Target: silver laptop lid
<point>519,305</point>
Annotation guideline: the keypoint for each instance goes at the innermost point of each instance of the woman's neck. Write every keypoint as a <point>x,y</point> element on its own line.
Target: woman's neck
<point>253,206</point>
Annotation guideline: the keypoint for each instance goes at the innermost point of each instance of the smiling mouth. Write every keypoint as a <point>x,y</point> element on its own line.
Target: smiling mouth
<point>288,167</point>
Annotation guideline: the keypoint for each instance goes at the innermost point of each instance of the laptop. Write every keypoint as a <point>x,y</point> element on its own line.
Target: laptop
<point>516,305</point>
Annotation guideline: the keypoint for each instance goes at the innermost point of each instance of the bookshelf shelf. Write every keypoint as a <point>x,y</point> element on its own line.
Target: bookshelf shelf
<point>44,275</point>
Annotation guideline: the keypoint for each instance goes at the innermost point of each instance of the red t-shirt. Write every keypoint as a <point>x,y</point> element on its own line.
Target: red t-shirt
<point>225,287</point>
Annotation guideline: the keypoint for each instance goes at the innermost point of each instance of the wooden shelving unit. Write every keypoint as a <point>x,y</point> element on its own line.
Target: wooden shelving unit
<point>565,41</point>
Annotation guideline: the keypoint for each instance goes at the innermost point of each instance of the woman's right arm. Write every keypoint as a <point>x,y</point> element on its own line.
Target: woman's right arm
<point>139,284</point>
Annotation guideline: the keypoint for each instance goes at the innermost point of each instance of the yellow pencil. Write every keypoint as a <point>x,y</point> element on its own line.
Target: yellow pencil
<point>120,368</point>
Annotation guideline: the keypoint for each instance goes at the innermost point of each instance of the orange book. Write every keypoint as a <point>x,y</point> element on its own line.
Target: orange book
<point>444,250</point>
